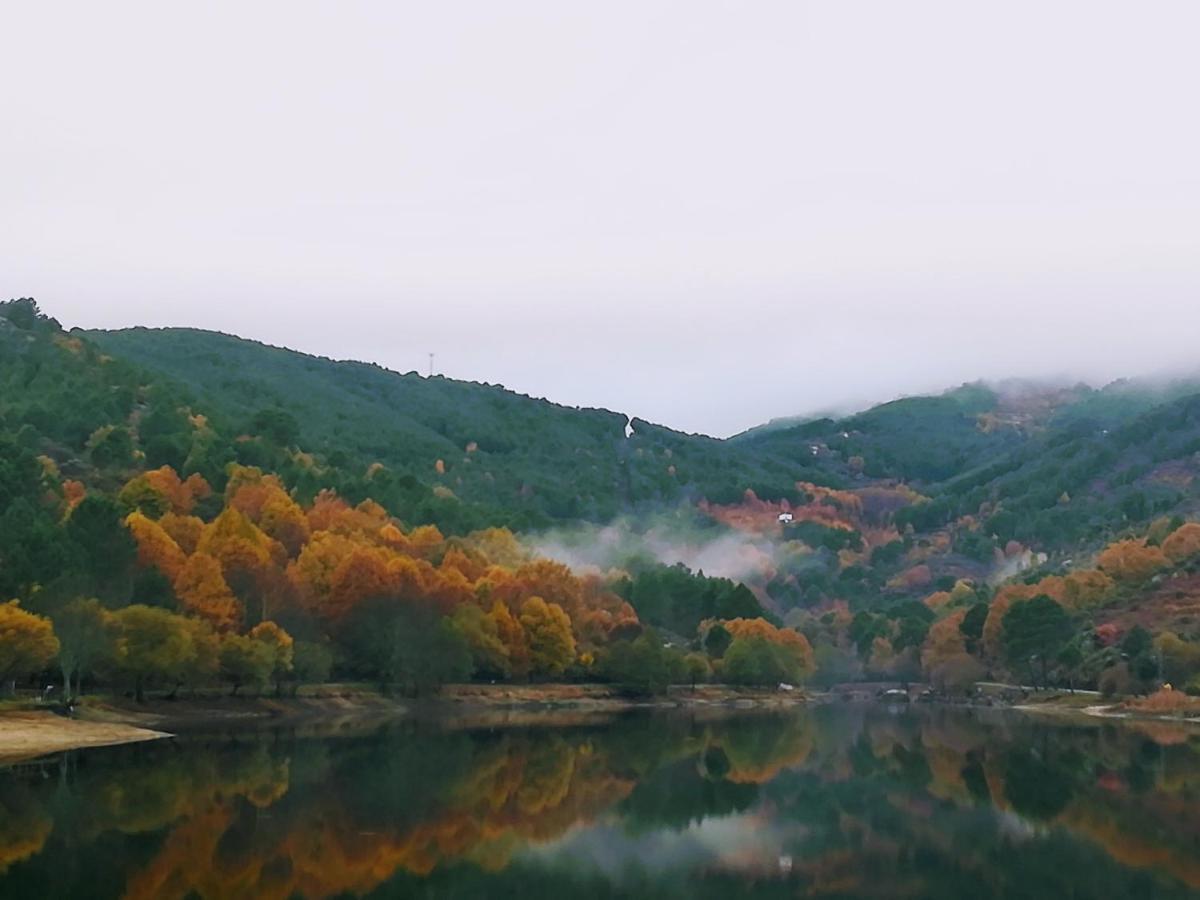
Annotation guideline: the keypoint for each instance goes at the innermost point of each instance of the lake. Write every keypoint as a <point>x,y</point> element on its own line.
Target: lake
<point>829,801</point>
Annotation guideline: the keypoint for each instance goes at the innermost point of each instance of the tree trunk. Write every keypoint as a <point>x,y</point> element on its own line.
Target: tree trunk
<point>139,693</point>
<point>66,684</point>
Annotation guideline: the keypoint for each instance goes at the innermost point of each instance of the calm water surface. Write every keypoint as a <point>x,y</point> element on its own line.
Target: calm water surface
<point>834,801</point>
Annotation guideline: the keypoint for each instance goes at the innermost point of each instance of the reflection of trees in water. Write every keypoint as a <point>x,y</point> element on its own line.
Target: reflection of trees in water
<point>865,804</point>
<point>24,825</point>
<point>901,806</point>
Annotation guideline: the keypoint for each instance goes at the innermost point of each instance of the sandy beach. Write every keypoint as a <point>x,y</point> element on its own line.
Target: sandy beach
<point>25,735</point>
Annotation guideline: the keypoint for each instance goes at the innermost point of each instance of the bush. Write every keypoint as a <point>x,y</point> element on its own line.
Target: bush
<point>1165,701</point>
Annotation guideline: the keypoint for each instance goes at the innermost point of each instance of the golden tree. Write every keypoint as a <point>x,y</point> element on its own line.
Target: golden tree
<point>551,643</point>
<point>27,643</point>
<point>156,548</point>
<point>203,591</point>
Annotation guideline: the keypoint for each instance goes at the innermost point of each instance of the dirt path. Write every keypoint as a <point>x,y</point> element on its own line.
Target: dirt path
<point>24,735</point>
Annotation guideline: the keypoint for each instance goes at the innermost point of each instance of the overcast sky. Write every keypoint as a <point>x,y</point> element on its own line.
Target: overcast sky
<point>706,214</point>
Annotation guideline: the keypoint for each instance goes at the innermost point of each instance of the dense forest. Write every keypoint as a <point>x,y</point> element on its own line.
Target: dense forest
<point>179,508</point>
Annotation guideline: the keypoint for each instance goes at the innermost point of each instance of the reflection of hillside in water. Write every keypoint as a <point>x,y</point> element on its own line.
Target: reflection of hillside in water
<point>834,802</point>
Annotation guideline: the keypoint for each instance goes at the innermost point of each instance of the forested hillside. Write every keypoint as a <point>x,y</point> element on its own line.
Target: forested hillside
<point>245,487</point>
<point>525,462</point>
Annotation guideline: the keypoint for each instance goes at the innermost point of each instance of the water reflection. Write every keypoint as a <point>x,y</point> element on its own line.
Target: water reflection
<point>831,802</point>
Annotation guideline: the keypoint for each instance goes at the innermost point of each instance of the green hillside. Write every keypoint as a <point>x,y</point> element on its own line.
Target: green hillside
<point>526,461</point>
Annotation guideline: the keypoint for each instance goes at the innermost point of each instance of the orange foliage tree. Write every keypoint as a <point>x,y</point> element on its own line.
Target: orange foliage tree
<point>203,592</point>
<point>1131,560</point>
<point>1183,543</point>
<point>156,548</point>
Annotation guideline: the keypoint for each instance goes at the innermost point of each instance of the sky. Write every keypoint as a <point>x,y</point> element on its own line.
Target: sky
<point>706,214</point>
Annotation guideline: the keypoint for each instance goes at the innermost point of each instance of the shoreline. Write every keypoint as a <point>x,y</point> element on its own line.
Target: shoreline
<point>1110,712</point>
<point>35,731</point>
<point>32,732</point>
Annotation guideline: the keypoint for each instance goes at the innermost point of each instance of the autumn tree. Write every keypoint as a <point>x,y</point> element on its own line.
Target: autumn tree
<point>945,657</point>
<point>551,643</point>
<point>185,531</point>
<point>283,520</point>
<point>1131,561</point>
<point>265,502</point>
<point>1183,543</point>
<point>202,591</point>
<point>281,646</point>
<point>155,548</point>
<point>362,575</point>
<point>512,635</point>
<point>27,643</point>
<point>86,634</point>
<point>944,640</point>
<point>312,571</point>
<point>243,551</point>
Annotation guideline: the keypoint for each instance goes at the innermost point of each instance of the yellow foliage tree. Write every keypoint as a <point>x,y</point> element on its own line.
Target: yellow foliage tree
<point>281,646</point>
<point>551,643</point>
<point>27,642</point>
<point>512,635</point>
<point>236,543</point>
